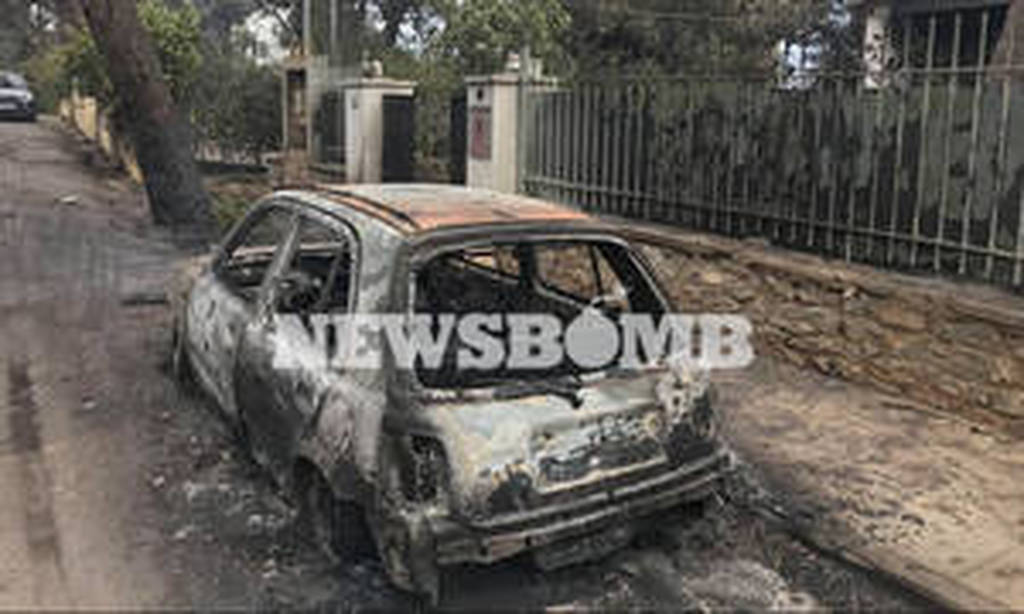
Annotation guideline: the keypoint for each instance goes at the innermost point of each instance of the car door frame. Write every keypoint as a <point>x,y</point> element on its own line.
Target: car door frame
<point>282,409</point>
<point>214,336</point>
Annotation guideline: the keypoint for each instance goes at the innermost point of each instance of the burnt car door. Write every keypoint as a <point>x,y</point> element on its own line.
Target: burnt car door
<point>284,374</point>
<point>229,296</point>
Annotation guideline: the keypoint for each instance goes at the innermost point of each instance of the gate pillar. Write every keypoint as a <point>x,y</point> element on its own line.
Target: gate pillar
<point>492,131</point>
<point>365,143</point>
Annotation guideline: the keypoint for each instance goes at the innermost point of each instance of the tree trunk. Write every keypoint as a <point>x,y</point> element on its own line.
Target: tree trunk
<point>161,137</point>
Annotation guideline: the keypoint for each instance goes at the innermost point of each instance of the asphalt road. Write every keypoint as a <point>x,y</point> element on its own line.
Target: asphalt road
<point>120,490</point>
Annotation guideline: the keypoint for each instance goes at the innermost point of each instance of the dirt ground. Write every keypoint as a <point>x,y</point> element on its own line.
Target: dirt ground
<point>124,491</point>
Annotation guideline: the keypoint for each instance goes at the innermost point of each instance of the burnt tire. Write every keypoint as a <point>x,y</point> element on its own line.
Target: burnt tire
<point>337,528</point>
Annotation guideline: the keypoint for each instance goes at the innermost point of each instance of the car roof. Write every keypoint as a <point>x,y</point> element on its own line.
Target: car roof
<point>418,208</point>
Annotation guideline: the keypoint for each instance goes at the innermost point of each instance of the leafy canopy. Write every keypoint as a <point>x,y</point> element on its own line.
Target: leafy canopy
<point>176,35</point>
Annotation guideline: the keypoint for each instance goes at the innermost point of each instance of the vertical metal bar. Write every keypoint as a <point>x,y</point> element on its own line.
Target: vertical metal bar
<point>617,134</point>
<point>626,150</point>
<point>565,133</point>
<point>570,141</point>
<point>661,117</point>
<point>876,170</point>
<point>729,113</point>
<point>876,157</point>
<point>651,140</point>
<point>585,117</point>
<point>540,130</point>
<point>544,135</point>
<point>834,160</point>
<point>594,146</point>
<point>947,149</point>
<point>527,142</point>
<point>606,130</point>
<point>1001,183</point>
<point>854,123</point>
<point>688,194</point>
<point>523,119</point>
<point>1018,265</point>
<point>637,96</point>
<point>801,123</point>
<point>816,171</point>
<point>553,137</point>
<point>898,162</point>
<point>565,138</point>
<point>922,160</point>
<point>972,156</point>
<point>643,203</point>
<point>748,124</point>
<point>714,219</point>
<point>577,154</point>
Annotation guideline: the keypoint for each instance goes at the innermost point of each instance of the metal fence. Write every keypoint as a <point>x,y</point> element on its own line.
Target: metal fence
<point>920,167</point>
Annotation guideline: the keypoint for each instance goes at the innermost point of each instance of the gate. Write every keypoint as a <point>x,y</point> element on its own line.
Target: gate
<point>399,139</point>
<point>921,168</point>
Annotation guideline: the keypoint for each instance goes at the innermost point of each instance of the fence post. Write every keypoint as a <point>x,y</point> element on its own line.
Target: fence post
<point>494,129</point>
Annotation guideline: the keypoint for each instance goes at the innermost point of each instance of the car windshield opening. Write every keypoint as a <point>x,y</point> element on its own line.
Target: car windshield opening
<point>499,296</point>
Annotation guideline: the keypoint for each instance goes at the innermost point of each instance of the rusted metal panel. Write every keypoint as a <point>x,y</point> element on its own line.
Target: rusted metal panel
<point>417,208</point>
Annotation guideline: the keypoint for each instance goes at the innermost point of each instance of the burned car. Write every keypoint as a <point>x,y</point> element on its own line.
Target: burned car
<point>472,451</point>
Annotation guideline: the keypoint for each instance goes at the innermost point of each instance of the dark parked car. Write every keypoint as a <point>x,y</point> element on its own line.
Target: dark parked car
<point>16,99</point>
<point>433,464</point>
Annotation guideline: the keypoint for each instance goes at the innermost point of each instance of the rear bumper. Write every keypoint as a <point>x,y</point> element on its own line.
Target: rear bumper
<point>511,534</point>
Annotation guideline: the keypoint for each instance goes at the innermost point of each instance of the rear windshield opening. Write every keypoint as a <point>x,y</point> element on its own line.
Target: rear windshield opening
<point>561,279</point>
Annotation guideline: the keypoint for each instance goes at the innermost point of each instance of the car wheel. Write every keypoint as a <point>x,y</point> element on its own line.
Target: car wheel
<point>336,528</point>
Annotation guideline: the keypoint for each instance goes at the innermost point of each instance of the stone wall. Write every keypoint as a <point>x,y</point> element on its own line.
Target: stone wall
<point>953,347</point>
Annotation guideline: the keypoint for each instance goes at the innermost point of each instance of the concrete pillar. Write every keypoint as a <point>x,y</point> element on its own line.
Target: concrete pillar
<point>364,125</point>
<point>492,133</point>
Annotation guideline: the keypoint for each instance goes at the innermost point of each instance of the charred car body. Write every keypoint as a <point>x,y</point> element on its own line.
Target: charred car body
<point>441,465</point>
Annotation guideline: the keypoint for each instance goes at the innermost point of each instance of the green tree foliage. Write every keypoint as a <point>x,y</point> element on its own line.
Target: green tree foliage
<point>452,39</point>
<point>694,36</point>
<point>237,102</point>
<point>479,34</point>
<point>176,35</point>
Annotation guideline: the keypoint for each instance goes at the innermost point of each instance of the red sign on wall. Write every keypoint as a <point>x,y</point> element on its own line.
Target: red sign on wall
<point>480,133</point>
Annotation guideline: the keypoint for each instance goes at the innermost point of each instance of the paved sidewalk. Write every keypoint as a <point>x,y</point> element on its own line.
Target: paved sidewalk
<point>928,498</point>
